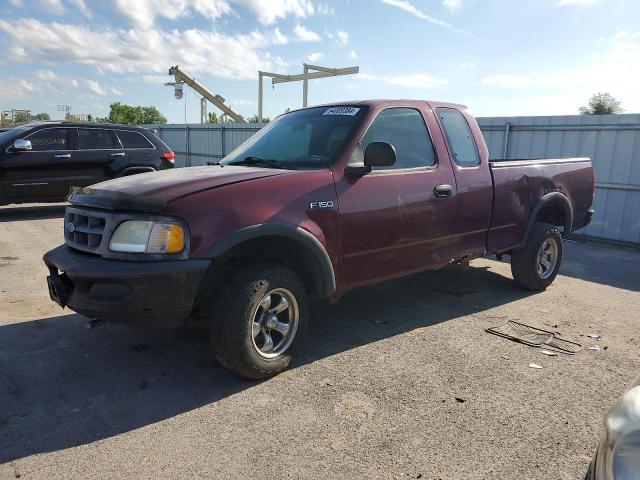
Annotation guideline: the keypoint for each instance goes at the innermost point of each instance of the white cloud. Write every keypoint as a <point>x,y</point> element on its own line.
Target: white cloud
<point>414,80</point>
<point>315,57</point>
<point>268,11</point>
<point>15,89</point>
<point>44,85</point>
<point>142,13</point>
<point>95,87</point>
<point>54,6</point>
<point>82,8</point>
<point>343,37</point>
<point>563,3</point>
<point>353,55</point>
<point>16,3</point>
<point>325,9</point>
<point>279,38</point>
<point>615,69</point>
<point>198,51</point>
<point>467,65</point>
<point>416,12</point>
<point>452,5</point>
<point>305,35</point>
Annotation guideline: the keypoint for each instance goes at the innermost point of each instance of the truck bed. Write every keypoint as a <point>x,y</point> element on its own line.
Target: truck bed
<point>520,183</point>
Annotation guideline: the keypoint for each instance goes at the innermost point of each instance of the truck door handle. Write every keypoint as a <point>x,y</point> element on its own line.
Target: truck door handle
<point>119,154</point>
<point>64,155</point>
<point>442,191</point>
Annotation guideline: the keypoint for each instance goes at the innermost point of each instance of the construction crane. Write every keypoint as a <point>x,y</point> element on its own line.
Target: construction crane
<point>183,77</point>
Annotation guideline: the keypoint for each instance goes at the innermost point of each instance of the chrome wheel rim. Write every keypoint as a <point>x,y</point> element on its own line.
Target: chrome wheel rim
<point>275,322</point>
<point>547,258</point>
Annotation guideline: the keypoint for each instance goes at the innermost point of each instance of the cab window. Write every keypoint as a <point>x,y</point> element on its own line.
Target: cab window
<point>459,137</point>
<point>404,128</point>
<point>51,139</point>
<point>96,139</point>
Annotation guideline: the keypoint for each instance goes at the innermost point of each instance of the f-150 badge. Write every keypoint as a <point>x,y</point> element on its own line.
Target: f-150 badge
<point>314,205</point>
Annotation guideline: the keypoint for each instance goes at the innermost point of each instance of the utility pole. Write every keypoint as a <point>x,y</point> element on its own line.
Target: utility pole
<point>320,72</point>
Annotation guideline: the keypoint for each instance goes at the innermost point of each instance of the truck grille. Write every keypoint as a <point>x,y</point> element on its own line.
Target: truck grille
<point>84,229</point>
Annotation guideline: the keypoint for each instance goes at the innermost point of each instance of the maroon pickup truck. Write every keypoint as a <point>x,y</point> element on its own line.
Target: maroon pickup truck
<point>320,201</point>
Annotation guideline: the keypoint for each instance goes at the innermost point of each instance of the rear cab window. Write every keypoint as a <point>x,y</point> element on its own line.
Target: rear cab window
<point>405,129</point>
<point>96,139</point>
<point>131,139</point>
<point>459,137</point>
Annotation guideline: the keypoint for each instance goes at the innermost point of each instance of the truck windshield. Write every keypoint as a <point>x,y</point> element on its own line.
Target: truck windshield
<point>305,139</point>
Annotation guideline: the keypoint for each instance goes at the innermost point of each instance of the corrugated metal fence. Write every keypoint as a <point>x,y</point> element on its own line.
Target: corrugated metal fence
<point>612,141</point>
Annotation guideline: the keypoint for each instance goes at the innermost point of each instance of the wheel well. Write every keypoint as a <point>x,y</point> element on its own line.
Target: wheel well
<point>553,213</point>
<point>284,250</point>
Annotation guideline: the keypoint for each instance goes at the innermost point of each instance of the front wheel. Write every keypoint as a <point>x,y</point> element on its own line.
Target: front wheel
<point>536,265</point>
<point>259,318</point>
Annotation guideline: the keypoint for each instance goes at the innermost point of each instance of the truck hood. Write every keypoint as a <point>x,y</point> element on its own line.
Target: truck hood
<point>168,185</point>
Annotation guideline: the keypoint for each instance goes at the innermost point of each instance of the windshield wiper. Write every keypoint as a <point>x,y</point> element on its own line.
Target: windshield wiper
<point>258,161</point>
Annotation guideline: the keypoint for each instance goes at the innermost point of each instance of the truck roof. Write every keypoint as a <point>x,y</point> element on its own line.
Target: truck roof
<point>381,101</point>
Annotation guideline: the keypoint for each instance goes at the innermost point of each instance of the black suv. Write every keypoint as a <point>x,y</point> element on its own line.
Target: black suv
<point>40,161</point>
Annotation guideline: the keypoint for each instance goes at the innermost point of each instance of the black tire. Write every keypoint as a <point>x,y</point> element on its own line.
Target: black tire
<point>524,261</point>
<point>231,319</point>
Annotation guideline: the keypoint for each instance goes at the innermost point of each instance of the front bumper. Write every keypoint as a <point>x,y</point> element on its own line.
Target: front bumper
<point>142,294</point>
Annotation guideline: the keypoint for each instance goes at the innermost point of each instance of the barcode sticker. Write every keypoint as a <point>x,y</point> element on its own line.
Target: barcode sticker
<point>350,111</point>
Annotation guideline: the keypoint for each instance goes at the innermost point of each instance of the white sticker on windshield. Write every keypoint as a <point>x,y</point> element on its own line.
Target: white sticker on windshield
<point>350,111</point>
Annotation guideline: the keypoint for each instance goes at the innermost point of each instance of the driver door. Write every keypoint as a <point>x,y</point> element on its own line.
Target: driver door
<point>45,171</point>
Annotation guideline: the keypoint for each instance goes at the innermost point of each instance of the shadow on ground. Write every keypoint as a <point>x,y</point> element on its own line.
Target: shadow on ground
<point>39,212</point>
<point>62,385</point>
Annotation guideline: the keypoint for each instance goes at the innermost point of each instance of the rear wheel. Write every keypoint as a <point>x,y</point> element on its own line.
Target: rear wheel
<point>258,320</point>
<point>536,265</point>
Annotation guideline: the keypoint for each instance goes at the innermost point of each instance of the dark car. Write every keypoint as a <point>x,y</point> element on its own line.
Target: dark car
<point>320,201</point>
<point>40,161</point>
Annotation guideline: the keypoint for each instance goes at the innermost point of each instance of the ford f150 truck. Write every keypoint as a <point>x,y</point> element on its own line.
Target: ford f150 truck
<point>320,201</point>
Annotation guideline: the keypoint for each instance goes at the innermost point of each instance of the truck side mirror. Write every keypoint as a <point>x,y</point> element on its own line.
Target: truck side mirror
<point>21,145</point>
<point>379,154</point>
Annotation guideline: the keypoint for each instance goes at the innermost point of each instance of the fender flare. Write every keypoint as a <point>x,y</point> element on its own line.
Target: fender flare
<point>553,197</point>
<point>324,274</point>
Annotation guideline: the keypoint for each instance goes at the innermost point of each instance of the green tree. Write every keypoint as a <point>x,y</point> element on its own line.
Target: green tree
<point>213,118</point>
<point>21,117</point>
<point>254,119</point>
<point>601,104</point>
<point>138,115</point>
<point>43,117</point>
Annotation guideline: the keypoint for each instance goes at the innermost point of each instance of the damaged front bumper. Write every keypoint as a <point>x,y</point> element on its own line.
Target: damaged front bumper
<point>156,294</point>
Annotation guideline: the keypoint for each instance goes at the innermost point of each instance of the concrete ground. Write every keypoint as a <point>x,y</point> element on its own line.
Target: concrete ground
<point>397,380</point>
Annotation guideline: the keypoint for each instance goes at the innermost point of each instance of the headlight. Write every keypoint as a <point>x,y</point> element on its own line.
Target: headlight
<point>618,456</point>
<point>626,457</point>
<point>146,236</point>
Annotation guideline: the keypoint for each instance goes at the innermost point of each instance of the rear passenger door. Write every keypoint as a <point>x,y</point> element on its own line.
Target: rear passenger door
<point>475,186</point>
<point>45,171</point>
<point>99,155</point>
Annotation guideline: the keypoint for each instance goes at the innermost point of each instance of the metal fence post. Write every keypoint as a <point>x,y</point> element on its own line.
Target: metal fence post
<point>222,144</point>
<point>187,137</point>
<point>505,146</point>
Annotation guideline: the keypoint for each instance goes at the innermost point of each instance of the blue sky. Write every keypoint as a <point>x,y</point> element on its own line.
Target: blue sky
<point>499,57</point>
